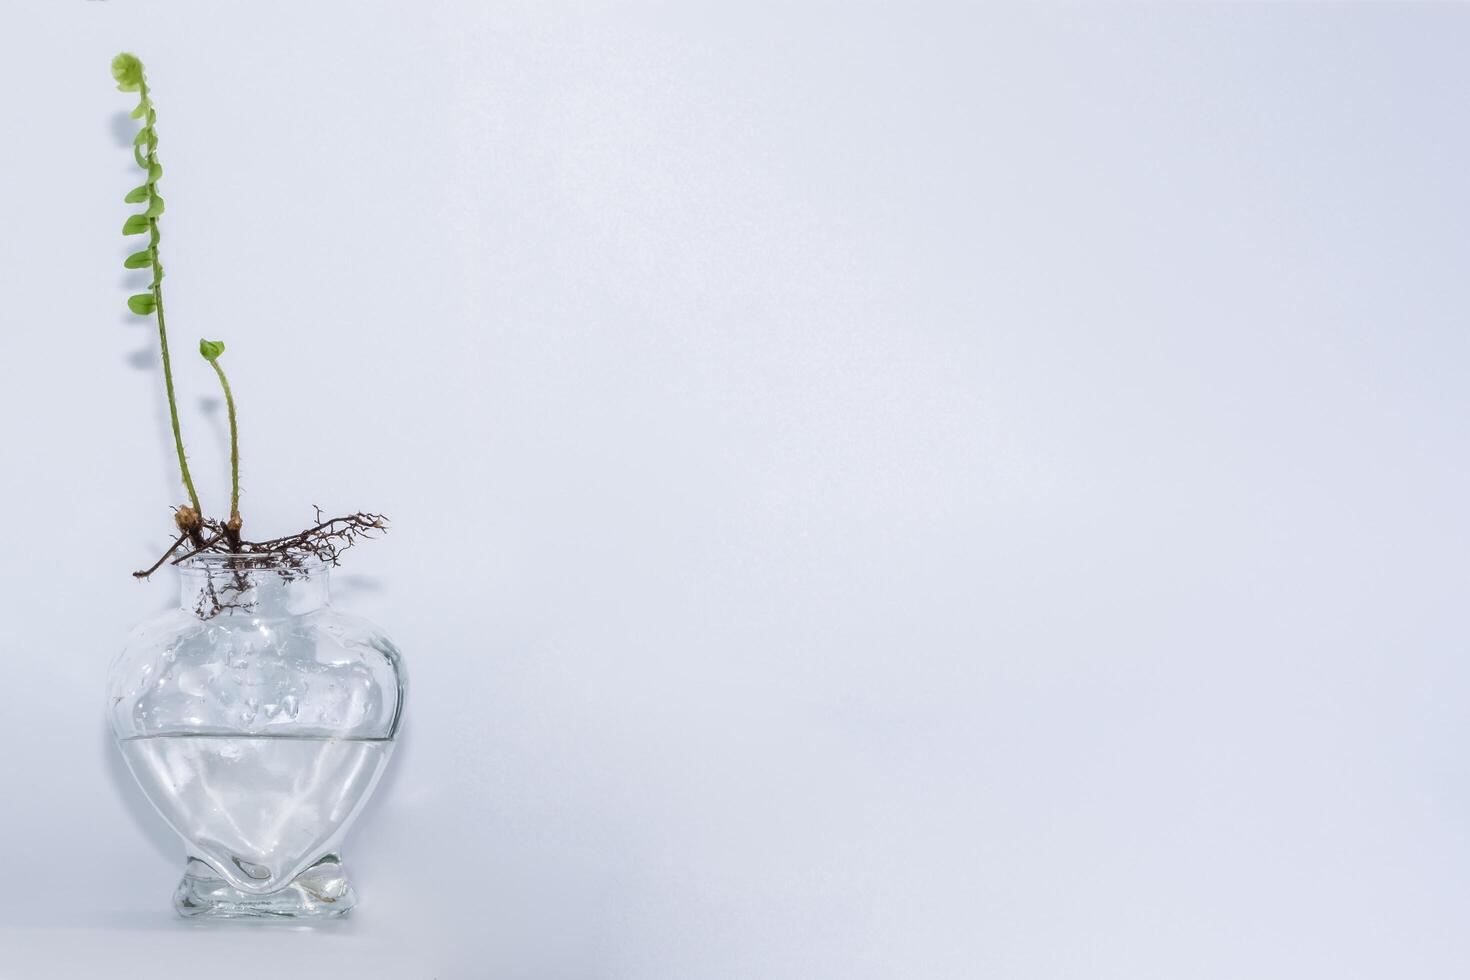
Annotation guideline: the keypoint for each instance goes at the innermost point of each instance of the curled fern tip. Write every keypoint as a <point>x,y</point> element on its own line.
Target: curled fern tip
<point>127,70</point>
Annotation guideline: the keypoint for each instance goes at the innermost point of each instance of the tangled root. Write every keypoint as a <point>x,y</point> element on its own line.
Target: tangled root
<point>324,542</point>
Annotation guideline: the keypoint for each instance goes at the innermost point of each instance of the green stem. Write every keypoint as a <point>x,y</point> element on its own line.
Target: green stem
<point>168,374</point>
<point>168,384</point>
<point>234,442</point>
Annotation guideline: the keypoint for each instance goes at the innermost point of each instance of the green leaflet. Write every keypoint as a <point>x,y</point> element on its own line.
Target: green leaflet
<point>139,260</point>
<point>143,134</point>
<point>155,207</point>
<point>142,304</point>
<point>139,157</point>
<point>137,195</point>
<point>155,171</point>
<point>143,106</point>
<point>210,349</point>
<point>136,224</point>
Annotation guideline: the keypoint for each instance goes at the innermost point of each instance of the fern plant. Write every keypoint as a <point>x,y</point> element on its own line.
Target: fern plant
<point>325,539</point>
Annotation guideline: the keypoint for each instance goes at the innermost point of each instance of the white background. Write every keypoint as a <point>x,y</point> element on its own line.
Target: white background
<point>904,492</point>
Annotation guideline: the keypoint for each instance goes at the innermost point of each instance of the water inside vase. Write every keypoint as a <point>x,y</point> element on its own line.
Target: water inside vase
<point>260,809</point>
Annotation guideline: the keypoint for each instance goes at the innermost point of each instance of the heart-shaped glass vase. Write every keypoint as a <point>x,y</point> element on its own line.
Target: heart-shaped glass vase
<point>257,719</point>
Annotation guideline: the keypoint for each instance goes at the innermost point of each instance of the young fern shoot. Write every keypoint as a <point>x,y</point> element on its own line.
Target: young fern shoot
<point>210,350</point>
<point>127,70</point>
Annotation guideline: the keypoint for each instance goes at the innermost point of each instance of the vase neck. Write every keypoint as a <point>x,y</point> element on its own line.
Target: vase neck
<point>214,588</point>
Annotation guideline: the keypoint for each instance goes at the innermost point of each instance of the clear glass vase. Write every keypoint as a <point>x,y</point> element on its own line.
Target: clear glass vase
<point>257,719</point>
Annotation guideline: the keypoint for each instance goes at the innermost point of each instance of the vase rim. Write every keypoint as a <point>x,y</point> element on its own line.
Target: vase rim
<point>253,562</point>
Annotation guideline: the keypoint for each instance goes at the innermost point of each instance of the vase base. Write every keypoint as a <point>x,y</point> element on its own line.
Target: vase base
<point>319,892</point>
